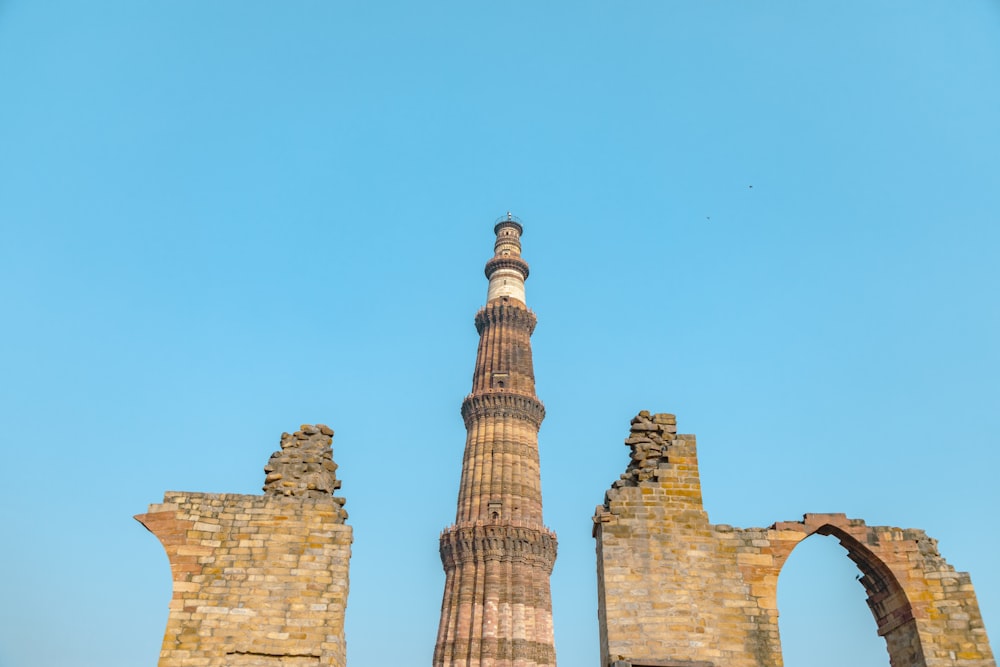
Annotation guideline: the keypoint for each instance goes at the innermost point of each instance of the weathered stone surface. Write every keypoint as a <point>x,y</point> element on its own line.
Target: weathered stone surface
<point>674,589</point>
<point>259,581</point>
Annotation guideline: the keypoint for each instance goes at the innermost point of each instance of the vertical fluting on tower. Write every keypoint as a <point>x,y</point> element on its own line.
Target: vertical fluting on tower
<point>498,556</point>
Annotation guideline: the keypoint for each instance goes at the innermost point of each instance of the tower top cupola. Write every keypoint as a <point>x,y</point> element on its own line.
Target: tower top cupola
<point>506,270</point>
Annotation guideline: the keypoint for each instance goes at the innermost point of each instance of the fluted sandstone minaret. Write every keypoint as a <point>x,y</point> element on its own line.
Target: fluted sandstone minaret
<point>498,556</point>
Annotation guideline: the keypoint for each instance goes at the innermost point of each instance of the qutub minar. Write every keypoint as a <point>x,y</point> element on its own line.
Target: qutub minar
<point>498,556</point>
<point>262,580</point>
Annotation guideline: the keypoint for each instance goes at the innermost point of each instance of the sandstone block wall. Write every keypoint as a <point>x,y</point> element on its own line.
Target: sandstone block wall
<point>259,581</point>
<point>675,590</point>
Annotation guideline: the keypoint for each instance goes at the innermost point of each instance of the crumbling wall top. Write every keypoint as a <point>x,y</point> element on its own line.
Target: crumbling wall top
<point>649,439</point>
<point>304,466</point>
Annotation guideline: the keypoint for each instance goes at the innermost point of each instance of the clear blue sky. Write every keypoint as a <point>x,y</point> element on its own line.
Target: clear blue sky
<point>223,219</point>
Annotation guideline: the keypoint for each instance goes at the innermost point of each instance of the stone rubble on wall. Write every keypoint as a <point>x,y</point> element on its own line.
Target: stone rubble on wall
<point>649,439</point>
<point>304,466</point>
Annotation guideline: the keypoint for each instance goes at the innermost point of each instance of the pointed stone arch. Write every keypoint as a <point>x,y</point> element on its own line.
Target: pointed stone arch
<point>887,598</point>
<point>925,610</point>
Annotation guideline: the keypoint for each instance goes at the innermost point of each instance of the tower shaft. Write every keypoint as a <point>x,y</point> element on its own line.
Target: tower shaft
<point>498,556</point>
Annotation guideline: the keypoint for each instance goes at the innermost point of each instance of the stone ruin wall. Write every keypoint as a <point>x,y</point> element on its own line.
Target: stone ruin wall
<point>677,591</point>
<point>259,580</point>
<point>262,580</point>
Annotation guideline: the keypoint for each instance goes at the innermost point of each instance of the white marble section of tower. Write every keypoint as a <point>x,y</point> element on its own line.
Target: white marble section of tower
<point>507,278</point>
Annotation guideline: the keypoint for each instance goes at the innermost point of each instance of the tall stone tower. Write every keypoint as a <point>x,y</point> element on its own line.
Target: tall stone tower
<point>498,556</point>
